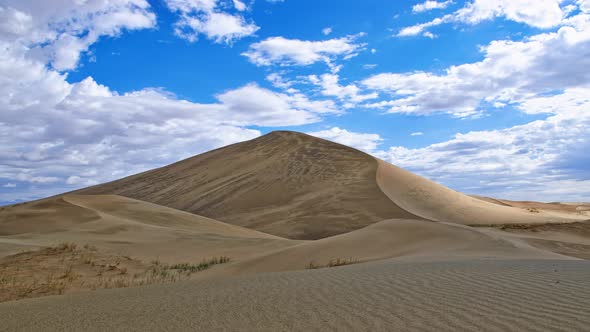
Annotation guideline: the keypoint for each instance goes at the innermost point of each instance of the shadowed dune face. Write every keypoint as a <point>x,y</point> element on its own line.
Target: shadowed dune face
<point>284,183</point>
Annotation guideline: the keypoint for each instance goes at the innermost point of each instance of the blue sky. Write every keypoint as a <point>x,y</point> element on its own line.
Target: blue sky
<point>487,97</point>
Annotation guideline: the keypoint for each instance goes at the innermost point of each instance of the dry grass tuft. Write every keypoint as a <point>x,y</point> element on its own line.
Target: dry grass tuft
<point>333,263</point>
<point>67,267</point>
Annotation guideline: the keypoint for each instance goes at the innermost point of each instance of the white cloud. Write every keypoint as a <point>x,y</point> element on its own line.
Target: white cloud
<point>240,5</point>
<point>539,14</point>
<point>278,81</point>
<point>58,33</point>
<point>510,72</point>
<point>327,31</point>
<point>282,51</point>
<point>58,136</point>
<point>251,105</point>
<point>331,87</point>
<point>85,133</point>
<point>418,133</point>
<point>430,5</point>
<point>9,185</point>
<point>419,28</point>
<point>208,18</point>
<point>429,34</point>
<point>543,160</point>
<point>361,141</point>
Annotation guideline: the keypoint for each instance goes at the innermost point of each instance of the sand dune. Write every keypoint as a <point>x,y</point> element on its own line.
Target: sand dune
<point>469,295</point>
<point>301,187</point>
<point>396,238</point>
<point>432,201</point>
<point>130,227</point>
<point>284,183</point>
<point>582,209</point>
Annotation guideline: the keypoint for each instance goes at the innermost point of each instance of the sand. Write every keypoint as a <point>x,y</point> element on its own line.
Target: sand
<point>471,295</point>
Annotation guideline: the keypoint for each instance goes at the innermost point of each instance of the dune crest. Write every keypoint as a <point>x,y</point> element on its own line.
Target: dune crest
<point>433,201</point>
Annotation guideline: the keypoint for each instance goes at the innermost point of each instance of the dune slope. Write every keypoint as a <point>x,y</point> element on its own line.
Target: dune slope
<point>433,201</point>
<point>395,238</point>
<point>130,227</point>
<point>284,183</point>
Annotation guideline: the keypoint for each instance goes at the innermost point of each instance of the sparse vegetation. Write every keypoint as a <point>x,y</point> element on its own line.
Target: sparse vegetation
<point>190,268</point>
<point>65,246</point>
<point>333,263</point>
<point>68,267</point>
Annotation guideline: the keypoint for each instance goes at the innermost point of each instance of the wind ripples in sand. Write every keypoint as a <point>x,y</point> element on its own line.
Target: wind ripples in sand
<point>474,295</point>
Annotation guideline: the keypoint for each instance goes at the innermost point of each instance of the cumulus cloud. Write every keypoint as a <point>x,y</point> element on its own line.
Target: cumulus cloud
<point>430,5</point>
<point>59,33</point>
<point>543,159</point>
<point>85,133</point>
<point>212,19</point>
<point>361,141</point>
<point>58,135</point>
<point>285,52</point>
<point>330,86</point>
<point>539,14</point>
<point>511,72</point>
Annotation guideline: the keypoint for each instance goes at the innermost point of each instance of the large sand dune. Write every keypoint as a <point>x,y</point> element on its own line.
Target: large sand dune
<point>284,183</point>
<point>301,187</point>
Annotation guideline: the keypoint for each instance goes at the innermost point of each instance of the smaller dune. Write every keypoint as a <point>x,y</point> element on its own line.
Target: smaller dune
<point>129,227</point>
<point>396,238</point>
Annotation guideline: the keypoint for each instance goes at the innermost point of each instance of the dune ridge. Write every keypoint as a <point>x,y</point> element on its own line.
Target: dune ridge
<point>433,201</point>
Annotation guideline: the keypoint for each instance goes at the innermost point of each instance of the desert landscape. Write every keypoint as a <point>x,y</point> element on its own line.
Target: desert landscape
<point>291,232</point>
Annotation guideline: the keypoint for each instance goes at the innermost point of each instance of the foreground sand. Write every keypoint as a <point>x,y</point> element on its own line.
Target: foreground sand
<point>467,295</point>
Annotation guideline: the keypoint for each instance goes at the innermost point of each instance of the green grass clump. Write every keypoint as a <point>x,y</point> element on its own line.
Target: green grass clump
<point>333,263</point>
<point>191,268</point>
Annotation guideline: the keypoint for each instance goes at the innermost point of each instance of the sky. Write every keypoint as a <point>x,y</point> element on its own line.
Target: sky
<point>488,97</point>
